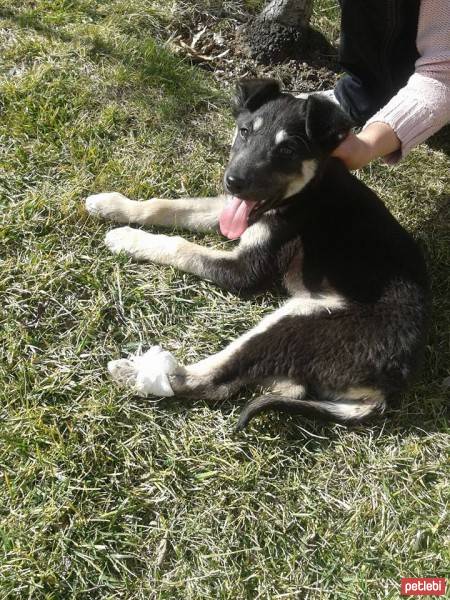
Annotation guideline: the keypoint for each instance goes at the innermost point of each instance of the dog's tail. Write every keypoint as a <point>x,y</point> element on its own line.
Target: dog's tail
<point>340,410</point>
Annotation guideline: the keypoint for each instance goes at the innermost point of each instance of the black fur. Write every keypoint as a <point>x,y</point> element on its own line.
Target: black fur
<point>352,336</point>
<point>349,239</point>
<point>366,345</point>
<point>339,235</point>
<point>251,94</point>
<point>326,125</point>
<point>348,235</point>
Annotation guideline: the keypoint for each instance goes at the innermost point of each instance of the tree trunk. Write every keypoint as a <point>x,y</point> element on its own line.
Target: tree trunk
<point>279,32</point>
<point>293,13</point>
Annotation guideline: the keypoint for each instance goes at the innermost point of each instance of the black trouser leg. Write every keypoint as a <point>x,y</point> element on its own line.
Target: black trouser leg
<point>378,52</point>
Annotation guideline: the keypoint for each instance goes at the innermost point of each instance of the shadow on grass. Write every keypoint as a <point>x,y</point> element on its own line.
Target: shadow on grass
<point>441,140</point>
<point>434,234</point>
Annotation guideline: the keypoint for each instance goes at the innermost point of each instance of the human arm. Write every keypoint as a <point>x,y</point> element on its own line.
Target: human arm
<point>377,139</point>
<point>420,108</point>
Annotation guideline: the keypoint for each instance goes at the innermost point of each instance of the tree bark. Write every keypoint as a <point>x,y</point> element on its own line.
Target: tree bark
<point>279,32</point>
<point>293,13</point>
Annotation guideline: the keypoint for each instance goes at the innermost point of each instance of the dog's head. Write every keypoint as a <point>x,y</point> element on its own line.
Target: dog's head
<point>279,142</point>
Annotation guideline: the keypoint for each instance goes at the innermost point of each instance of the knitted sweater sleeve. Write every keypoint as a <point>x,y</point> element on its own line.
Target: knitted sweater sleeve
<point>422,106</point>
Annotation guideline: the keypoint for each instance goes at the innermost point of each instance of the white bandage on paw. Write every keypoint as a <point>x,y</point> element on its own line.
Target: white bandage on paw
<point>146,374</point>
<point>153,370</point>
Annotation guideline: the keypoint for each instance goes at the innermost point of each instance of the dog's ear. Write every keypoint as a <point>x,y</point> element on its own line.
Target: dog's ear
<point>326,123</point>
<point>253,93</point>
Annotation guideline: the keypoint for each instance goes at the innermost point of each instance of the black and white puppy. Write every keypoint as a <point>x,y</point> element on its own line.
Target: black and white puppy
<point>350,336</point>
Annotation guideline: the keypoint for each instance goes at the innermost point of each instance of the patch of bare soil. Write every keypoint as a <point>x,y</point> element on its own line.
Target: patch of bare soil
<point>218,45</point>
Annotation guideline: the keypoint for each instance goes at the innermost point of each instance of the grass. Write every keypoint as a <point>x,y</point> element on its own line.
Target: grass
<point>105,495</point>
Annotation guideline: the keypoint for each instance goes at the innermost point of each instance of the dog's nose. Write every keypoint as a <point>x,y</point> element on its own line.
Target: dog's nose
<point>234,184</point>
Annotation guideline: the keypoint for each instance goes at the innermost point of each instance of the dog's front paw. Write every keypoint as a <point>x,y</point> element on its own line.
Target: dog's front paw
<point>141,245</point>
<point>146,374</point>
<point>112,206</point>
<point>125,239</point>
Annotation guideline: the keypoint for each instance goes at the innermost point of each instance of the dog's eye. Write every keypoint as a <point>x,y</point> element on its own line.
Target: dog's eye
<point>285,150</point>
<point>243,132</point>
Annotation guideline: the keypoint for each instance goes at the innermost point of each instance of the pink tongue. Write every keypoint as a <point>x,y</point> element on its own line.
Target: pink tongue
<point>233,219</point>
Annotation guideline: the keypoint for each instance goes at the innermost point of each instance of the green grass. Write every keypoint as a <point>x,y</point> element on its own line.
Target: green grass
<point>104,495</point>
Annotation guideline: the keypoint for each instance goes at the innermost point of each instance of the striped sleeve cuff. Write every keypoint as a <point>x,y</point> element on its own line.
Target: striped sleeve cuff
<point>417,111</point>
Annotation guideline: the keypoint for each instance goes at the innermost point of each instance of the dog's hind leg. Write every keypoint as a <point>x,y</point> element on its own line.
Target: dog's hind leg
<point>296,344</point>
<point>268,352</point>
<point>197,214</point>
<point>215,377</point>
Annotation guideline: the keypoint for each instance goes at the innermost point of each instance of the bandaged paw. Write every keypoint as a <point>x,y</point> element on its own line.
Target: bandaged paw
<point>147,374</point>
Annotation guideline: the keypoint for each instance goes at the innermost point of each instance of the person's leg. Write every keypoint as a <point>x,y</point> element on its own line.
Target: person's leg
<point>377,50</point>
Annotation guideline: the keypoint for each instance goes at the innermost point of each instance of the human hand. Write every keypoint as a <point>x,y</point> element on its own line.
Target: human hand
<point>358,150</point>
